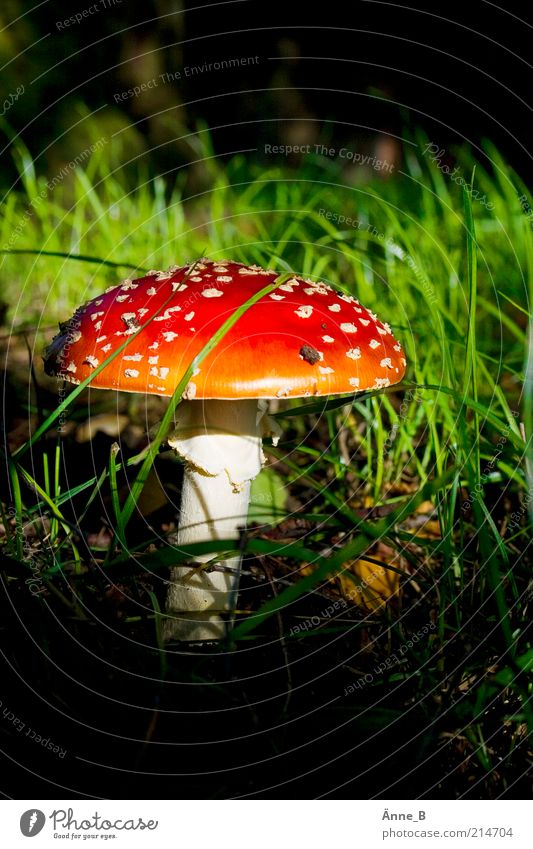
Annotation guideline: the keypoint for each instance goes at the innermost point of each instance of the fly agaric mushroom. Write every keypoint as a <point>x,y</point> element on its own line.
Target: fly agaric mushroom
<point>303,339</point>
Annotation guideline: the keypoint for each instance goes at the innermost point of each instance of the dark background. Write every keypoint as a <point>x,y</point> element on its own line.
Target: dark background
<point>352,73</point>
<point>347,72</point>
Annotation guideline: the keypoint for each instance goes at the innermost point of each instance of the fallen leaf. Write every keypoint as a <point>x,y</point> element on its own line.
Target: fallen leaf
<point>153,496</point>
<point>425,508</point>
<point>366,583</point>
<point>372,584</point>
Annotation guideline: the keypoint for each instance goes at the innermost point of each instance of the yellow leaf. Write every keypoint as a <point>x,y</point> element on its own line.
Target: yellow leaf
<point>372,584</point>
<point>365,583</point>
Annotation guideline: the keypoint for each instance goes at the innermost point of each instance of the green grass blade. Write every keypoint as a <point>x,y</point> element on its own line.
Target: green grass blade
<point>76,257</point>
<point>49,421</point>
<point>115,500</point>
<point>176,398</point>
<point>369,533</point>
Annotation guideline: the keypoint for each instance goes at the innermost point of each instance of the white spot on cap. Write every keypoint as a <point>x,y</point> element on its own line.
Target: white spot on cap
<point>374,343</point>
<point>348,327</point>
<point>106,348</point>
<point>128,317</point>
<point>316,288</point>
<point>189,316</point>
<point>397,348</point>
<point>403,361</point>
<point>179,287</point>
<point>224,278</point>
<point>101,338</point>
<point>286,287</point>
<point>382,331</point>
<point>154,346</point>
<point>190,391</point>
<point>98,326</point>
<point>120,298</point>
<point>73,336</point>
<point>276,297</point>
<point>91,361</point>
<point>128,284</point>
<point>364,321</point>
<point>163,275</point>
<point>136,358</point>
<point>334,307</point>
<point>153,360</point>
<point>326,370</point>
<point>347,298</point>
<point>386,362</point>
<point>72,368</point>
<point>354,353</point>
<point>169,336</point>
<point>380,382</point>
<point>195,279</point>
<point>212,293</point>
<point>387,328</point>
<point>131,372</point>
<point>95,315</point>
<point>98,302</point>
<point>151,291</point>
<point>142,311</point>
<point>305,311</point>
<point>354,381</point>
<point>163,373</point>
<point>328,339</point>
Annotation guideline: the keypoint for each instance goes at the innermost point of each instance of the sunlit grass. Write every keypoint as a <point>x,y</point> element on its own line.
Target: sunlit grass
<point>452,278</point>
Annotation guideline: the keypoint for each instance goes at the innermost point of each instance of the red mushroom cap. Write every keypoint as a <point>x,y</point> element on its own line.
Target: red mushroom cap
<point>305,338</point>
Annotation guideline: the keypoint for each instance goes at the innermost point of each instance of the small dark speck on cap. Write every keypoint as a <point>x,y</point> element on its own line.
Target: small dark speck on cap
<point>309,354</point>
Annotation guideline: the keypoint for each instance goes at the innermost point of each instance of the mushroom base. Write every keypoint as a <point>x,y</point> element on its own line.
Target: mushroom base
<point>202,595</point>
<point>220,442</point>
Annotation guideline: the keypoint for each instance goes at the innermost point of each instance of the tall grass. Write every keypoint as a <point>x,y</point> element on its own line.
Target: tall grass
<point>451,274</point>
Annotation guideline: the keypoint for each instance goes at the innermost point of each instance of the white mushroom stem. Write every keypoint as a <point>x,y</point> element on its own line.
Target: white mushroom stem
<point>220,442</point>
